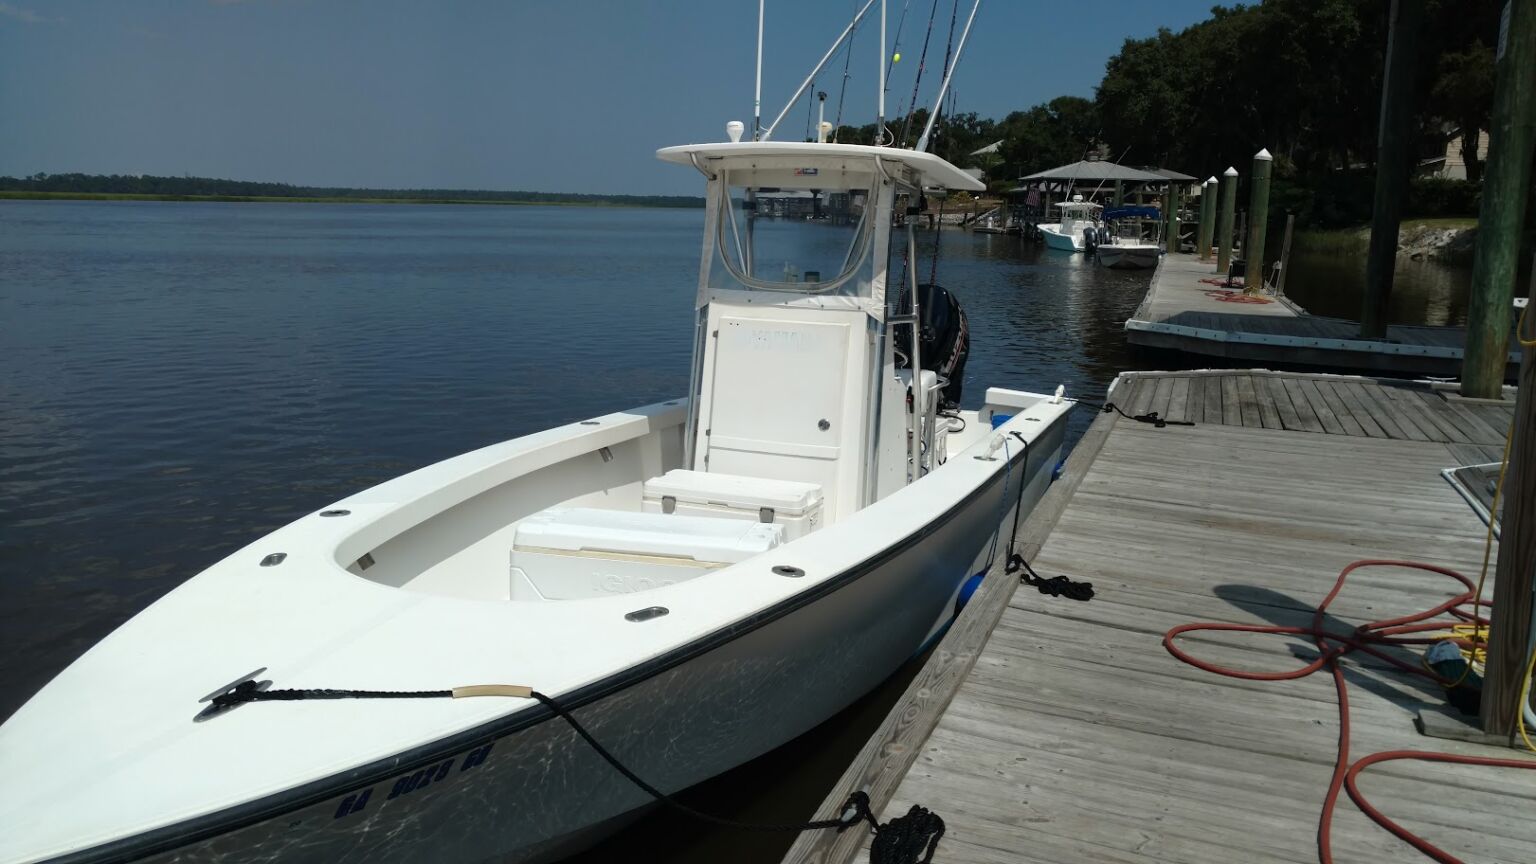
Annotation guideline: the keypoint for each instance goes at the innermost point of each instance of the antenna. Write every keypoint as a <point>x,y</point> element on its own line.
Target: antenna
<point>768,133</point>
<point>757,96</point>
<point>922,143</point>
<point>1123,153</point>
<point>880,118</point>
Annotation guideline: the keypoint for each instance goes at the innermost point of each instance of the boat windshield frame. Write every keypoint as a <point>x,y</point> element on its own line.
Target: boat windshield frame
<point>857,256</point>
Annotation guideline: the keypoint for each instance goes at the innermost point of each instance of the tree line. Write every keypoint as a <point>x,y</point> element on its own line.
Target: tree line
<point>128,184</point>
<point>1301,78</point>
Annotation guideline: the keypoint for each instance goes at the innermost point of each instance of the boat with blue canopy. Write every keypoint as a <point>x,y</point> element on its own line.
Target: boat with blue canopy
<point>1125,243</point>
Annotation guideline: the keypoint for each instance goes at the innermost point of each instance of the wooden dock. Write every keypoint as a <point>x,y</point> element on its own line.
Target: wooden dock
<point>1183,313</point>
<point>1048,730</point>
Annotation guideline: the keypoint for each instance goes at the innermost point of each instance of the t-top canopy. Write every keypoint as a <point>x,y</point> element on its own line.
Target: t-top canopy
<point>1093,171</point>
<point>1133,213</point>
<point>931,171</point>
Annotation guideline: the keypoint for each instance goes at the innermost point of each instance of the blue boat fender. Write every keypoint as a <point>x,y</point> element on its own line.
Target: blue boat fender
<point>966,590</point>
<point>1060,469</point>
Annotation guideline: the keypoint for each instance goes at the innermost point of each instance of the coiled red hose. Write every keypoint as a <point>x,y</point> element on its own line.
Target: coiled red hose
<point>1369,638</point>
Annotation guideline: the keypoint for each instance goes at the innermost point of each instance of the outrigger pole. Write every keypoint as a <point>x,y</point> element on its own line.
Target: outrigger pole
<point>757,94</point>
<point>922,143</point>
<point>768,133</point>
<point>880,115</point>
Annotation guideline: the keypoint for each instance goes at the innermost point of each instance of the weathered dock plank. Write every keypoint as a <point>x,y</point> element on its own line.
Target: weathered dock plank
<point>1320,406</point>
<point>1248,402</point>
<point>1282,398</point>
<point>1358,411</point>
<point>1336,404</point>
<point>1231,404</point>
<point>1211,408</point>
<point>1178,399</point>
<point>1304,411</point>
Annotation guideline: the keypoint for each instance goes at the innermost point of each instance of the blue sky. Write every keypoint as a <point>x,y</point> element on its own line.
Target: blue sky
<point>569,96</point>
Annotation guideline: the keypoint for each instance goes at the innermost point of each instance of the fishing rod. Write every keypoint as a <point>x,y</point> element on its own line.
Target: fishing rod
<point>922,62</point>
<point>890,64</point>
<point>922,142</point>
<point>768,133</point>
<point>1116,163</point>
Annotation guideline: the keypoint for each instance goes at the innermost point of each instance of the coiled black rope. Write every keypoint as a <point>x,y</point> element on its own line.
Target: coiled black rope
<point>1149,417</point>
<point>1056,586</point>
<point>899,841</point>
<point>904,838</point>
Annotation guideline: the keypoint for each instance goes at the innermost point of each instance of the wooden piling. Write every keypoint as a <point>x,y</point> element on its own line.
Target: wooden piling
<point>1224,220</point>
<point>1394,150</point>
<point>1510,630</point>
<point>1506,179</point>
<point>1258,220</point>
<point>1171,241</point>
<point>1207,218</point>
<point>1285,254</point>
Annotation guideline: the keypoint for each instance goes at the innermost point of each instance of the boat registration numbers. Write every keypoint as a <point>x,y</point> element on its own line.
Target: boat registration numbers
<point>415,781</point>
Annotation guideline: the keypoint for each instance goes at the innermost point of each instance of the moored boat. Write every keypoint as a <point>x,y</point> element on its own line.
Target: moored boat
<point>1077,228</point>
<point>698,581</point>
<point>1124,243</point>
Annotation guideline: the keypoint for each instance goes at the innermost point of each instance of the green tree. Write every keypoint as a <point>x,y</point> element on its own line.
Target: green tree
<point>1463,95</point>
<point>1059,132</point>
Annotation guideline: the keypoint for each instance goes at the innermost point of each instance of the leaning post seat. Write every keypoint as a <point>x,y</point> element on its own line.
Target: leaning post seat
<point>792,504</point>
<point>568,553</point>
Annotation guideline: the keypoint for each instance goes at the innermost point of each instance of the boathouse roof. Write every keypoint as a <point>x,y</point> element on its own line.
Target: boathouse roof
<point>1097,170</point>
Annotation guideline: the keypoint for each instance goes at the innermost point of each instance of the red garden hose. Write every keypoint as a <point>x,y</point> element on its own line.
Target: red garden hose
<point>1390,632</point>
<point>1236,297</point>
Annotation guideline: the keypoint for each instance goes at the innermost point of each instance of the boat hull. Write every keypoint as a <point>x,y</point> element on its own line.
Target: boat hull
<point>1054,239</point>
<point>1128,257</point>
<point>527,789</point>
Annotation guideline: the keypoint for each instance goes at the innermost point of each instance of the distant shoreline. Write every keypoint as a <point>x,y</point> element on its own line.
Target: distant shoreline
<point>147,187</point>
<point>18,195</point>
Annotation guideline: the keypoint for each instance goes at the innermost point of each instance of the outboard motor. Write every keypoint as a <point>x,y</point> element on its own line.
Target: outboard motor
<point>1090,238</point>
<point>945,339</point>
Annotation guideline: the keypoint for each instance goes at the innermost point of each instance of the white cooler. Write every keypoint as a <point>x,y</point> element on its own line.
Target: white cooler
<point>790,503</point>
<point>568,553</point>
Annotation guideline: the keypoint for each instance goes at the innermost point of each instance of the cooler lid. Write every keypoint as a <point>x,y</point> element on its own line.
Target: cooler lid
<point>701,538</point>
<point>786,497</point>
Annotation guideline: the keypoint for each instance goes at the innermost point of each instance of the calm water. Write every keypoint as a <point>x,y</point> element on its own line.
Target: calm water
<point>178,379</point>
<point>1423,292</point>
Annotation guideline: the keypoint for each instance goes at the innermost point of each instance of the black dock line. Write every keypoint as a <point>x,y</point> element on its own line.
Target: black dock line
<point>900,841</point>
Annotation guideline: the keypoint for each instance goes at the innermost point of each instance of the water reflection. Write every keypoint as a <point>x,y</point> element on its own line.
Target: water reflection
<point>1423,292</point>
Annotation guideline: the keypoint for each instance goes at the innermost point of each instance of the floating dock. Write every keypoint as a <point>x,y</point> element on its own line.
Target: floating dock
<point>1048,730</point>
<point>1186,309</point>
